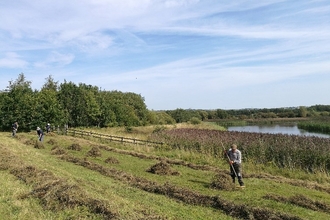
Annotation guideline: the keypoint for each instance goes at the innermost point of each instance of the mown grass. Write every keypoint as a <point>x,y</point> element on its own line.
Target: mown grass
<point>130,202</point>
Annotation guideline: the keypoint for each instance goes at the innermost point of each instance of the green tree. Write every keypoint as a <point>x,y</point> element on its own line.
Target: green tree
<point>302,111</point>
<point>180,115</point>
<point>123,109</point>
<point>107,117</point>
<point>222,114</point>
<point>66,98</point>
<point>49,107</point>
<point>137,102</point>
<point>19,104</point>
<point>50,84</point>
<point>90,109</point>
<point>161,118</point>
<point>204,115</point>
<point>195,121</point>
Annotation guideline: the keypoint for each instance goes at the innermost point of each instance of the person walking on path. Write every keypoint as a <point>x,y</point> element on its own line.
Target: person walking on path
<point>40,134</point>
<point>235,161</point>
<point>14,127</point>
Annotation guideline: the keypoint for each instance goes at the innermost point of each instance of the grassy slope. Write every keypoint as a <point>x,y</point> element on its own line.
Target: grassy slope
<point>128,201</point>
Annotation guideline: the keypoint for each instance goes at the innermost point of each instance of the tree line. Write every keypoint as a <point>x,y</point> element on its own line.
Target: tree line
<point>85,105</point>
<point>69,104</point>
<point>315,111</point>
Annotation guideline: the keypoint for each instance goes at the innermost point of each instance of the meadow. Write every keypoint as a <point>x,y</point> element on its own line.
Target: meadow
<point>74,177</point>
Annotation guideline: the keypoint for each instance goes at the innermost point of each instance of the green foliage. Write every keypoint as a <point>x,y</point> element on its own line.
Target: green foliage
<point>160,118</point>
<point>222,114</point>
<point>302,111</point>
<point>71,104</point>
<point>50,84</point>
<point>129,129</point>
<point>181,115</point>
<point>195,121</point>
<point>19,104</point>
<point>322,125</point>
<point>319,108</point>
<point>159,128</point>
<point>49,109</point>
<point>107,117</point>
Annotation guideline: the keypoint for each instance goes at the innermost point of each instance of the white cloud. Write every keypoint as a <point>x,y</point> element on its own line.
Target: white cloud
<point>12,60</point>
<point>55,59</point>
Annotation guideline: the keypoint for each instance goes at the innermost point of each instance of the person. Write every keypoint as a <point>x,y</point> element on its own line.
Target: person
<point>48,128</point>
<point>40,134</point>
<point>14,127</point>
<point>235,161</point>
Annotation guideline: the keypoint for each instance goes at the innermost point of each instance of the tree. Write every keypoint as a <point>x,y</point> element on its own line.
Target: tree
<point>50,84</point>
<point>222,114</point>
<point>137,103</point>
<point>107,117</point>
<point>49,109</point>
<point>203,115</point>
<point>19,104</point>
<point>302,111</point>
<point>66,97</point>
<point>79,104</point>
<point>161,118</point>
<point>90,110</point>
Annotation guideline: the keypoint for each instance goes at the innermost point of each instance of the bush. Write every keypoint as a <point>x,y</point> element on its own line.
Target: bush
<point>195,121</point>
<point>129,129</point>
<point>158,129</point>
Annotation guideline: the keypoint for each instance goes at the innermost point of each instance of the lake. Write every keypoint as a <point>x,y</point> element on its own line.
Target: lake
<point>276,129</point>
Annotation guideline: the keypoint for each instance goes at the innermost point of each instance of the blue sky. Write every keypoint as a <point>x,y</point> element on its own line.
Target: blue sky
<point>190,54</point>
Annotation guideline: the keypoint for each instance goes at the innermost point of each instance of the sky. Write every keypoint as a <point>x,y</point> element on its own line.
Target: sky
<point>189,54</point>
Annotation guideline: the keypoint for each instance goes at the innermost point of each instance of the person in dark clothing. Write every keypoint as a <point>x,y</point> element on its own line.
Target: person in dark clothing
<point>40,134</point>
<point>235,161</point>
<point>48,128</point>
<point>14,128</point>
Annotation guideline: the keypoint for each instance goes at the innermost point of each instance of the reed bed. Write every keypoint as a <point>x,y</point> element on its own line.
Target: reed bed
<point>316,126</point>
<point>309,153</point>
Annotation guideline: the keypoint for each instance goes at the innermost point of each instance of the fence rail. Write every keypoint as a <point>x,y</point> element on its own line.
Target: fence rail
<point>82,133</point>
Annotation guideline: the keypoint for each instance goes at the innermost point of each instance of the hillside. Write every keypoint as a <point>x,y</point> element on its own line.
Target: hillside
<point>75,178</point>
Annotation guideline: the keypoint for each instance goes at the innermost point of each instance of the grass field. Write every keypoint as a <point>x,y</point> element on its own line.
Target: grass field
<point>74,178</point>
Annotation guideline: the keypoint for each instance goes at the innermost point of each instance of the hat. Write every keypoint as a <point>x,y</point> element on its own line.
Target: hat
<point>48,124</point>
<point>38,128</point>
<point>233,146</point>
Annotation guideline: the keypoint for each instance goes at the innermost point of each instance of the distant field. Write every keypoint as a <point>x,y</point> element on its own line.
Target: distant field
<point>75,178</point>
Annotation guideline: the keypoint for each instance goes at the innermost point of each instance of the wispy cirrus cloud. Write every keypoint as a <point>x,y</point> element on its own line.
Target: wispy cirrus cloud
<point>55,59</point>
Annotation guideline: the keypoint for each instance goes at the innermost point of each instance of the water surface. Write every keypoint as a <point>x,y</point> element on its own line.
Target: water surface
<point>276,129</point>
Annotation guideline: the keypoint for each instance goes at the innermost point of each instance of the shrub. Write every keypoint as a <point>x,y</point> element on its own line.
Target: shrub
<point>195,121</point>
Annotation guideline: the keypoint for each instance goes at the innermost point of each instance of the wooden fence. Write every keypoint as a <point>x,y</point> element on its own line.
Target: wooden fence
<point>106,137</point>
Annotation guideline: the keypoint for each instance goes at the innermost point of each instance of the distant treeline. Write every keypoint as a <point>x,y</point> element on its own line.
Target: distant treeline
<point>184,115</point>
<point>86,106</point>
